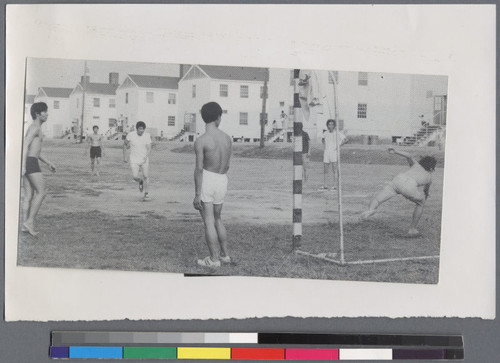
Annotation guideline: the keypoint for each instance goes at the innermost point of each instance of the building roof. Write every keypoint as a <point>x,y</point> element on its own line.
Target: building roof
<point>100,88</point>
<point>155,81</point>
<point>57,92</point>
<point>235,73</point>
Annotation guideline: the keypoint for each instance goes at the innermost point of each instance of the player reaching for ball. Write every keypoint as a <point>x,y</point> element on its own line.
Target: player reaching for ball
<point>412,184</point>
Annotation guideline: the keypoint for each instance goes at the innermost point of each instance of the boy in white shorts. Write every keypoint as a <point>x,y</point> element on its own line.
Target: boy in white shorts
<point>213,153</point>
<point>139,143</point>
<point>330,152</point>
<point>412,184</point>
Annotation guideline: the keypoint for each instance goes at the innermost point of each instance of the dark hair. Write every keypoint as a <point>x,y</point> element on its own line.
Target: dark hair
<point>140,124</point>
<point>428,162</point>
<point>38,108</point>
<point>210,112</point>
<point>95,127</point>
<point>331,120</point>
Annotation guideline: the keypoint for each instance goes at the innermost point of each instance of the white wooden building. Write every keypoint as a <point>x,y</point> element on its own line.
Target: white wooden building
<point>151,99</point>
<point>237,89</point>
<point>58,103</point>
<point>100,106</point>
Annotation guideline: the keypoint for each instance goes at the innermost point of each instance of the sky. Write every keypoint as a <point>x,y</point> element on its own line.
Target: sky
<point>66,73</point>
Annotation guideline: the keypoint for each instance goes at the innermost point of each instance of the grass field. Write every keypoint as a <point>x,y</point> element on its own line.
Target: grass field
<point>102,223</point>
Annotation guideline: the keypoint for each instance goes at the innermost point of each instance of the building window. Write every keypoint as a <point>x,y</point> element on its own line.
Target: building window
<point>223,90</point>
<point>429,94</point>
<point>171,99</point>
<point>112,103</point>
<point>150,97</point>
<point>56,105</point>
<point>362,107</point>
<point>282,103</point>
<point>362,79</point>
<point>193,91</point>
<point>224,111</point>
<point>97,102</point>
<point>243,118</point>
<point>112,122</point>
<point>171,121</point>
<point>244,91</point>
<point>126,97</point>
<point>335,76</point>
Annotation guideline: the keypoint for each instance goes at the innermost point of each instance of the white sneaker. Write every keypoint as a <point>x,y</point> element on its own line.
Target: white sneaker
<point>225,259</point>
<point>207,262</point>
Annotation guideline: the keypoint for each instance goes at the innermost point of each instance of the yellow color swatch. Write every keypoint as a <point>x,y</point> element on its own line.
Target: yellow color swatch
<point>203,353</point>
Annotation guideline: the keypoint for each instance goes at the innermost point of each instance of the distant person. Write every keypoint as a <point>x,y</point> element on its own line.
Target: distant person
<point>283,118</point>
<point>33,180</point>
<point>94,143</point>
<point>275,126</point>
<point>330,157</point>
<point>213,153</point>
<point>412,184</point>
<point>139,143</point>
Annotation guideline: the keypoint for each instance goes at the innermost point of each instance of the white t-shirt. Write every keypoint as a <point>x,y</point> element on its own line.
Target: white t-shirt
<point>331,139</point>
<point>138,146</point>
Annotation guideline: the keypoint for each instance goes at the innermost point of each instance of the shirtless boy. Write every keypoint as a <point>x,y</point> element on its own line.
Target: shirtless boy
<point>33,180</point>
<point>139,143</point>
<point>94,142</point>
<point>412,184</point>
<point>213,152</point>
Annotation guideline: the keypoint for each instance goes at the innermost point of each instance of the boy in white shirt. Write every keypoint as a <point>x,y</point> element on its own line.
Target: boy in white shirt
<point>330,153</point>
<point>139,143</point>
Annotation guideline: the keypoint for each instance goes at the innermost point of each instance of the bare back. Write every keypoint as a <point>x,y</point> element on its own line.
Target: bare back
<point>216,151</point>
<point>34,134</point>
<point>419,174</point>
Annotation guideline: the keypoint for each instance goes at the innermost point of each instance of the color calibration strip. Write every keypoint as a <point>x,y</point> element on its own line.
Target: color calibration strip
<point>156,345</point>
<point>89,352</point>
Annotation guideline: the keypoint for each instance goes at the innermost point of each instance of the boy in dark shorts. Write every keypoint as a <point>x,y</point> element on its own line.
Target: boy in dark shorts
<point>33,180</point>
<point>94,142</point>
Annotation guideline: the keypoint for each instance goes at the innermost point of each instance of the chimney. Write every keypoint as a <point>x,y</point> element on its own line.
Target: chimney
<point>114,78</point>
<point>85,79</point>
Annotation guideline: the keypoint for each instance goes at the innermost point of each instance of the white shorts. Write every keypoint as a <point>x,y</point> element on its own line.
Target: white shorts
<point>136,167</point>
<point>407,187</point>
<point>330,156</point>
<point>213,187</point>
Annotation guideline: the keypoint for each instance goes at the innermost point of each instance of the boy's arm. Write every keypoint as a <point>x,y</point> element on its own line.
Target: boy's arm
<point>46,161</point>
<point>406,155</point>
<point>198,174</point>
<point>30,135</point>
<point>101,144</point>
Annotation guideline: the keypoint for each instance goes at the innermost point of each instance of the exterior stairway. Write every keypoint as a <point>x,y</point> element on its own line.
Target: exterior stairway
<point>423,136</point>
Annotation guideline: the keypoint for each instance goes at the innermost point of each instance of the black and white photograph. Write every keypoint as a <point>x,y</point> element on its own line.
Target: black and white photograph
<point>192,169</point>
<point>260,168</point>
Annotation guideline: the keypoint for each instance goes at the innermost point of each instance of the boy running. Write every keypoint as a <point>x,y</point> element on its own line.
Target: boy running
<point>94,143</point>
<point>33,180</point>
<point>412,184</point>
<point>139,143</point>
<point>330,152</point>
<point>213,152</point>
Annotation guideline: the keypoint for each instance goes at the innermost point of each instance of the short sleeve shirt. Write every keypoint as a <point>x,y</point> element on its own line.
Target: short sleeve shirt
<point>138,146</point>
<point>331,139</point>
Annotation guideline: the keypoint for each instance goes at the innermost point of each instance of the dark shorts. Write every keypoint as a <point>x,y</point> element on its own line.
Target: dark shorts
<point>95,152</point>
<point>32,165</point>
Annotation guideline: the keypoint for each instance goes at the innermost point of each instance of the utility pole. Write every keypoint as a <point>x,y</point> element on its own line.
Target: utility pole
<point>263,114</point>
<point>84,85</point>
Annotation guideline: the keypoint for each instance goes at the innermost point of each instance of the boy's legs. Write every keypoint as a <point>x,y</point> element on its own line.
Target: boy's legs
<point>145,177</point>
<point>335,175</point>
<point>28,195</point>
<point>381,197</point>
<point>419,200</point>
<point>221,230</point>
<point>38,184</point>
<point>97,162</point>
<point>207,213</point>
<point>92,161</point>
<point>325,175</point>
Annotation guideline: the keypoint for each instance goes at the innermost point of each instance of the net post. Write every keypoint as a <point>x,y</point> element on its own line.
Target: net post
<point>297,165</point>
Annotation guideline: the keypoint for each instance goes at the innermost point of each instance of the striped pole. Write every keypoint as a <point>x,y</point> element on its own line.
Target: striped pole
<point>297,164</point>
